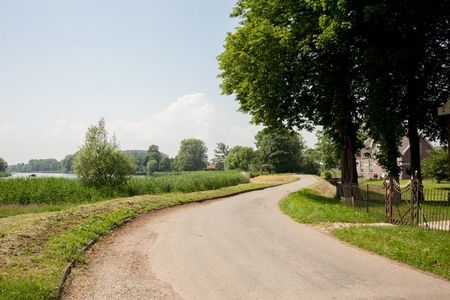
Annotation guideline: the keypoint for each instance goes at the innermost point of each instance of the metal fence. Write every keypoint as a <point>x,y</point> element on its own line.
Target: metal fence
<point>408,205</point>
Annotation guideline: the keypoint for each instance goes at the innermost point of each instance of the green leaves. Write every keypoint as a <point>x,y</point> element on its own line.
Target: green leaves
<point>100,162</point>
<point>436,165</point>
<point>240,158</point>
<point>192,155</point>
<point>3,165</point>
<point>280,150</point>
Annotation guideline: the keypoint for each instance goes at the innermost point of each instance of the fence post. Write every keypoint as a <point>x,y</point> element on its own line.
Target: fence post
<point>367,198</point>
<point>390,193</point>
<point>413,196</point>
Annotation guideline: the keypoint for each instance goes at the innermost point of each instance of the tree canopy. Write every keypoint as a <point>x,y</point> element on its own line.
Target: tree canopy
<point>407,66</point>
<point>240,158</point>
<point>290,64</point>
<point>280,150</point>
<point>382,66</point>
<point>191,155</point>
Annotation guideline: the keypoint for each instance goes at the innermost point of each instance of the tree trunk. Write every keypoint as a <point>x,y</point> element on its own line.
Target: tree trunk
<point>414,148</point>
<point>348,153</point>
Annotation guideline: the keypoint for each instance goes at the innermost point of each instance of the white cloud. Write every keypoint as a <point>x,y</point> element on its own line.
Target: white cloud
<point>191,116</point>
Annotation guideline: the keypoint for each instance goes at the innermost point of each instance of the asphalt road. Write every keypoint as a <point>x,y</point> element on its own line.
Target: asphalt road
<point>241,247</point>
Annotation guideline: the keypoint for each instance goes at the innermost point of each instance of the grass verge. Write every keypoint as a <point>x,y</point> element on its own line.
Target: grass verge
<point>421,248</point>
<point>424,249</point>
<point>308,206</point>
<point>36,248</point>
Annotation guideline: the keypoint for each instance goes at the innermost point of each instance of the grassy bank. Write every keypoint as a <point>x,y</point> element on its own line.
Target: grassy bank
<point>424,249</point>
<point>26,195</point>
<point>35,248</point>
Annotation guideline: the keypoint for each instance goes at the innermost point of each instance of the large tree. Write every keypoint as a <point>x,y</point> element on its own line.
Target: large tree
<point>191,155</point>
<point>240,158</point>
<point>280,150</point>
<point>406,63</point>
<point>291,64</point>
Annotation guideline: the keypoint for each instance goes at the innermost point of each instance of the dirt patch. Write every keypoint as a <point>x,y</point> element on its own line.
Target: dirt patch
<point>324,188</point>
<point>275,178</point>
<point>329,227</point>
<point>130,276</point>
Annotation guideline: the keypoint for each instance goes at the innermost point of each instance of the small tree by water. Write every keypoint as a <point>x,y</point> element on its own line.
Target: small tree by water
<point>100,162</point>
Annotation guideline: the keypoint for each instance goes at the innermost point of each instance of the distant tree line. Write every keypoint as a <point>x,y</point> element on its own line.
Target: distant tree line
<point>37,165</point>
<point>277,151</point>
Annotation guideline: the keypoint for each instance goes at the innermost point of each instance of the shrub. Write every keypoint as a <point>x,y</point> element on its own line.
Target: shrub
<point>100,163</point>
<point>436,165</point>
<point>327,175</point>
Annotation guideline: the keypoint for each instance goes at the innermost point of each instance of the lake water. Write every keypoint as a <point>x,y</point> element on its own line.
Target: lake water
<point>63,175</point>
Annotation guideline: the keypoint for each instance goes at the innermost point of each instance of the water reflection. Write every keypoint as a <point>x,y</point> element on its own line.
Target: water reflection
<point>63,175</point>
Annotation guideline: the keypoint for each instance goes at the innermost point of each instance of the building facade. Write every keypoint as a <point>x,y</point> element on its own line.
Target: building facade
<point>368,167</point>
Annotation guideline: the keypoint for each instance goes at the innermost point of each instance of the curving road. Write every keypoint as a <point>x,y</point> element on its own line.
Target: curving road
<point>242,247</point>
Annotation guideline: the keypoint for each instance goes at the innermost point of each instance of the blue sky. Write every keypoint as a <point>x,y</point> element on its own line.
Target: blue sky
<point>148,67</point>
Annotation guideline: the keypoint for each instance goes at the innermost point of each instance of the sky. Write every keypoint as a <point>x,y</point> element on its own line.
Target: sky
<point>148,67</point>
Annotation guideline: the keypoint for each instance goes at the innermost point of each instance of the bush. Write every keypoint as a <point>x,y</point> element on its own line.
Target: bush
<point>436,165</point>
<point>100,163</point>
<point>327,175</point>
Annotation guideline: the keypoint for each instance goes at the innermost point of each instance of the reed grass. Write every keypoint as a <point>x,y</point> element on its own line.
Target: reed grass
<point>26,191</point>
